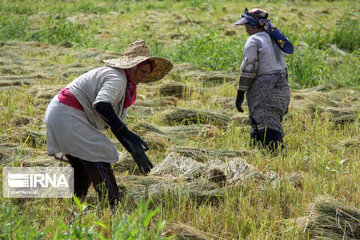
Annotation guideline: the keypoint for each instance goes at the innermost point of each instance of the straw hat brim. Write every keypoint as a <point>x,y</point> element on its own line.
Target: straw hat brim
<point>162,66</point>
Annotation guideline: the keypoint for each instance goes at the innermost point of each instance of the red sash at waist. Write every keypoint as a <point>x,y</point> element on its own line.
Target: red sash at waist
<point>67,98</point>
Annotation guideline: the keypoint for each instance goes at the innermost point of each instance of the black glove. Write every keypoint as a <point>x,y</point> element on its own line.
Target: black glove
<point>135,146</point>
<point>142,161</point>
<point>132,142</point>
<point>239,100</point>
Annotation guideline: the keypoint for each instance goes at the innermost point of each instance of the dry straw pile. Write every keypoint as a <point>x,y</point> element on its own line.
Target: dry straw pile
<point>329,219</point>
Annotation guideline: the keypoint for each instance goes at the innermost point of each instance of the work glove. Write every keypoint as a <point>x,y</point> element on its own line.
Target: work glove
<point>142,161</point>
<point>135,146</point>
<point>239,100</point>
<point>132,142</point>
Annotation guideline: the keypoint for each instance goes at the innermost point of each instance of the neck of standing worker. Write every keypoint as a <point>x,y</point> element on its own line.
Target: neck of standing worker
<point>253,30</point>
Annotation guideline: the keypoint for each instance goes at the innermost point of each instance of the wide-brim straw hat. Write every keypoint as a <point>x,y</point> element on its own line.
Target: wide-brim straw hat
<point>136,53</point>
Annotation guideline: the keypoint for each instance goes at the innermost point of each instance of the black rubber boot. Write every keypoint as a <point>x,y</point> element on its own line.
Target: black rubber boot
<point>268,138</point>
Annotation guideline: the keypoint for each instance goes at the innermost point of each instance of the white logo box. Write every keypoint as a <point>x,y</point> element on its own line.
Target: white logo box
<point>38,182</point>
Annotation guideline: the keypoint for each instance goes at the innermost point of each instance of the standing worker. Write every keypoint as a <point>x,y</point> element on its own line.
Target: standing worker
<point>94,101</point>
<point>264,78</point>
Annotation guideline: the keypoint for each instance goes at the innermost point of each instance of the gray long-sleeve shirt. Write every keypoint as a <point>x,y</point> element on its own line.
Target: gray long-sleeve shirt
<point>104,84</point>
<point>261,56</point>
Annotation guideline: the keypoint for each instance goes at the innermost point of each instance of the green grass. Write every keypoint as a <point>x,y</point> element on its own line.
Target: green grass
<point>309,67</point>
<point>86,222</point>
<point>210,50</point>
<point>61,30</point>
<point>208,47</point>
<point>13,28</point>
<point>54,30</point>
<point>346,32</point>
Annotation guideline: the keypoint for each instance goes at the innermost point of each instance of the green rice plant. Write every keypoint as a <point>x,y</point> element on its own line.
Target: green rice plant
<point>136,224</point>
<point>14,226</point>
<point>56,31</point>
<point>319,0</point>
<point>316,38</point>
<point>156,48</point>
<point>210,50</point>
<point>77,221</point>
<point>84,224</point>
<point>88,7</point>
<point>19,7</point>
<point>195,3</point>
<point>346,33</point>
<point>308,67</point>
<point>13,27</point>
<point>347,71</point>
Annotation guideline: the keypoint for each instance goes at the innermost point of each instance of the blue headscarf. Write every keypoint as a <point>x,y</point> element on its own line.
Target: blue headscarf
<point>258,18</point>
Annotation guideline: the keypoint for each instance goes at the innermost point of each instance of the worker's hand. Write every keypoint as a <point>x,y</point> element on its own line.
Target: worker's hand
<point>239,100</point>
<point>142,161</point>
<point>130,140</point>
<point>136,146</point>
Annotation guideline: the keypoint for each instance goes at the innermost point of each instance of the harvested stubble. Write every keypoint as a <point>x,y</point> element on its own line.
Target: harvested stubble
<point>34,138</point>
<point>216,78</point>
<point>191,116</point>
<point>14,83</point>
<point>76,71</point>
<point>233,171</point>
<point>144,127</point>
<point>174,89</point>
<point>176,132</point>
<point>184,231</point>
<point>225,102</point>
<point>207,78</point>
<point>7,153</point>
<point>340,105</point>
<point>45,92</point>
<point>158,102</point>
<point>126,164</point>
<point>329,219</point>
<point>241,119</point>
<point>203,130</point>
<point>15,69</point>
<point>12,56</point>
<point>176,177</point>
<point>156,141</point>
<point>45,161</point>
<point>202,154</point>
<point>161,188</point>
<point>183,67</point>
<point>351,142</point>
<point>10,152</point>
<point>144,112</point>
<point>19,120</point>
<point>177,166</point>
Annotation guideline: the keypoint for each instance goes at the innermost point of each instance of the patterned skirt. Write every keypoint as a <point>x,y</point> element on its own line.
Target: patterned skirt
<point>268,100</point>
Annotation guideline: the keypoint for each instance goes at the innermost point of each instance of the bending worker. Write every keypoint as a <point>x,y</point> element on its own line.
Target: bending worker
<point>94,101</point>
